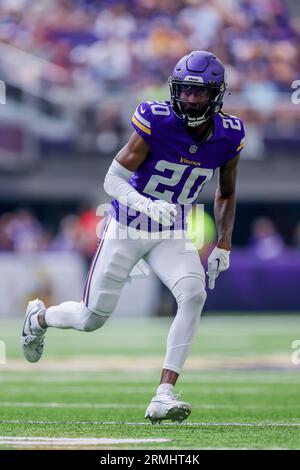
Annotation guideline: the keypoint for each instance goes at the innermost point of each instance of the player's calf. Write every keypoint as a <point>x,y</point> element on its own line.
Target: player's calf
<point>91,321</point>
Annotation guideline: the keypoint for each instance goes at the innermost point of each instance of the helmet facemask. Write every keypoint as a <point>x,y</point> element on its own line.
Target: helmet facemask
<point>195,114</point>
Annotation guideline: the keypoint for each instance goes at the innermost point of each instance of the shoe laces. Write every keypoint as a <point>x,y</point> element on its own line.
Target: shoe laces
<point>175,396</point>
<point>170,395</point>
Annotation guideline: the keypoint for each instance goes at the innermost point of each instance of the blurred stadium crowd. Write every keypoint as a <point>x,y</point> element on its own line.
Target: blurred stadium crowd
<point>22,232</point>
<point>137,42</point>
<point>113,49</point>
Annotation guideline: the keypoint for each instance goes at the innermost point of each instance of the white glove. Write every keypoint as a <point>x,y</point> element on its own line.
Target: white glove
<point>160,211</point>
<point>218,261</point>
<point>141,270</point>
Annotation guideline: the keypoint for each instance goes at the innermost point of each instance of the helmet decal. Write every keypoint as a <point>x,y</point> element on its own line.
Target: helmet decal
<point>192,78</point>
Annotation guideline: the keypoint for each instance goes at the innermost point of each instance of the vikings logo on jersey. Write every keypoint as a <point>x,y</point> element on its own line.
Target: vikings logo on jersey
<point>193,148</point>
<point>177,167</point>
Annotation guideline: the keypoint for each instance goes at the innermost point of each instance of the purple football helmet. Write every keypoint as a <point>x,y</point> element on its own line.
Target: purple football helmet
<point>200,73</point>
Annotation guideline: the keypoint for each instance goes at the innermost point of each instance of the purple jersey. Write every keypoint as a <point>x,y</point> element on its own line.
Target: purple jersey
<point>177,166</point>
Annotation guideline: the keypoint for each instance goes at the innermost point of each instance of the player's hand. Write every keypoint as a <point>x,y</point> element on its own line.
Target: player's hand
<point>162,212</point>
<point>218,261</point>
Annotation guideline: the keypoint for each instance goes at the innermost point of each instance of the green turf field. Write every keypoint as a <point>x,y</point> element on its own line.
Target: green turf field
<point>239,379</point>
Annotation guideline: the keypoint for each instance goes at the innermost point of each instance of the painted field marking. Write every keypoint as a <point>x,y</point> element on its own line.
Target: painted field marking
<point>63,441</point>
<point>208,406</point>
<point>126,423</point>
<point>13,404</point>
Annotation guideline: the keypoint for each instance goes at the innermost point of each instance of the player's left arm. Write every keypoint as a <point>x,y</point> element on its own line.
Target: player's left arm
<point>225,203</point>
<point>224,210</point>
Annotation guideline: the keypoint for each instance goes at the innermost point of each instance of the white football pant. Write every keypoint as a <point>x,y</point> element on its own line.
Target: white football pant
<point>175,261</point>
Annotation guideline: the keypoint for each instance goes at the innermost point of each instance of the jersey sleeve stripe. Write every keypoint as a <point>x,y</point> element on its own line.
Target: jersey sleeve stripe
<point>141,119</point>
<point>141,126</point>
<point>242,144</point>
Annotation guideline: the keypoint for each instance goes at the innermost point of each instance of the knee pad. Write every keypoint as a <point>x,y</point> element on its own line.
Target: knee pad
<point>91,321</point>
<point>190,290</point>
<point>103,301</point>
<point>106,289</point>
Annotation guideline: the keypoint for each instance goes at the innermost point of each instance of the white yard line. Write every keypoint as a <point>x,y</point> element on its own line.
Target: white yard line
<point>208,406</point>
<point>57,441</point>
<point>14,404</point>
<point>127,423</point>
<point>77,389</point>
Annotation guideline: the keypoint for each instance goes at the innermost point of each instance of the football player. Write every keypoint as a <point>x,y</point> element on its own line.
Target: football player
<point>174,149</point>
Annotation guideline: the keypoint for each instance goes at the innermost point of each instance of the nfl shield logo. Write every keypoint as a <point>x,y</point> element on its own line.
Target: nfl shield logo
<point>193,148</point>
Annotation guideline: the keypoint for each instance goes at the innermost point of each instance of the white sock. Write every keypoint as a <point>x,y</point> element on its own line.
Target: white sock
<point>165,388</point>
<point>65,315</point>
<point>74,315</point>
<point>35,326</point>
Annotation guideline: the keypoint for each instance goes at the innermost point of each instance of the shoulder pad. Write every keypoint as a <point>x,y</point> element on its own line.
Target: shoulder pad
<point>235,131</point>
<point>141,119</point>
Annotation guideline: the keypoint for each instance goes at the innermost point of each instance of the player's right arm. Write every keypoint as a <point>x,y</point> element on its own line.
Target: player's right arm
<point>117,185</point>
<point>133,154</point>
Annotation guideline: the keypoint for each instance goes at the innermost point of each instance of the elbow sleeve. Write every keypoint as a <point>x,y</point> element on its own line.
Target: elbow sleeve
<point>117,186</point>
<point>116,180</point>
